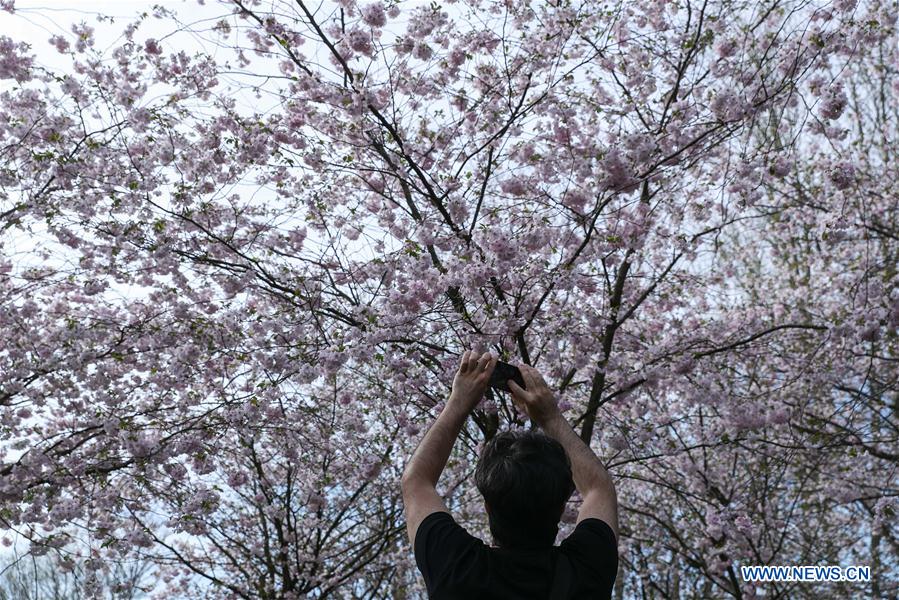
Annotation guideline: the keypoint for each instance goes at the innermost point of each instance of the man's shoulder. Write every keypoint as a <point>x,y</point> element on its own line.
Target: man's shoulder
<point>594,528</point>
<point>439,515</point>
<point>446,554</point>
<point>441,524</point>
<point>593,551</point>
<point>591,539</point>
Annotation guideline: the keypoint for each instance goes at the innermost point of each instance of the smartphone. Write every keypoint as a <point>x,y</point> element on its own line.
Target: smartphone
<point>502,372</point>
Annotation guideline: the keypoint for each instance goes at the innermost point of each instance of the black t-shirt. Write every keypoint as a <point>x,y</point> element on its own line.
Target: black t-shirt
<point>458,566</point>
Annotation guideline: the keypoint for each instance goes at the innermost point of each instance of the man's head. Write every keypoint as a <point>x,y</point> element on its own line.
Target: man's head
<point>525,478</point>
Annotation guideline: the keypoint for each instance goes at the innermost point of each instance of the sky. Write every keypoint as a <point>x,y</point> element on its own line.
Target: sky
<point>34,21</point>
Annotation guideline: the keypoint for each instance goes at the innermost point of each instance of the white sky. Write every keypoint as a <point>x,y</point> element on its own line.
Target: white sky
<point>34,21</point>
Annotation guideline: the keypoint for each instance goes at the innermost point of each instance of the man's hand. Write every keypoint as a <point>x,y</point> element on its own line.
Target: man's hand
<point>471,379</point>
<point>538,401</point>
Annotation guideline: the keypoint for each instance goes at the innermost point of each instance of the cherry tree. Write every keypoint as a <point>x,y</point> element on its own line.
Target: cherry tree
<point>241,260</point>
<point>30,578</point>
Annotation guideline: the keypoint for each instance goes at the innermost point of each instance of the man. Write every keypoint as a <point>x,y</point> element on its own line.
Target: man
<point>526,478</point>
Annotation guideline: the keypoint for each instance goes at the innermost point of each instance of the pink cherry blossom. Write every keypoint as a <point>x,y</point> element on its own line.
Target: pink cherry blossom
<point>374,14</point>
<point>240,259</point>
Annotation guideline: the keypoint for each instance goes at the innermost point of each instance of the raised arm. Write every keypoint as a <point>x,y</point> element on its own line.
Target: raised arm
<point>590,476</point>
<point>420,476</point>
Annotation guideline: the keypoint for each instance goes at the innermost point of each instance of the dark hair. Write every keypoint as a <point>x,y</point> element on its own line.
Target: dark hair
<point>525,477</point>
